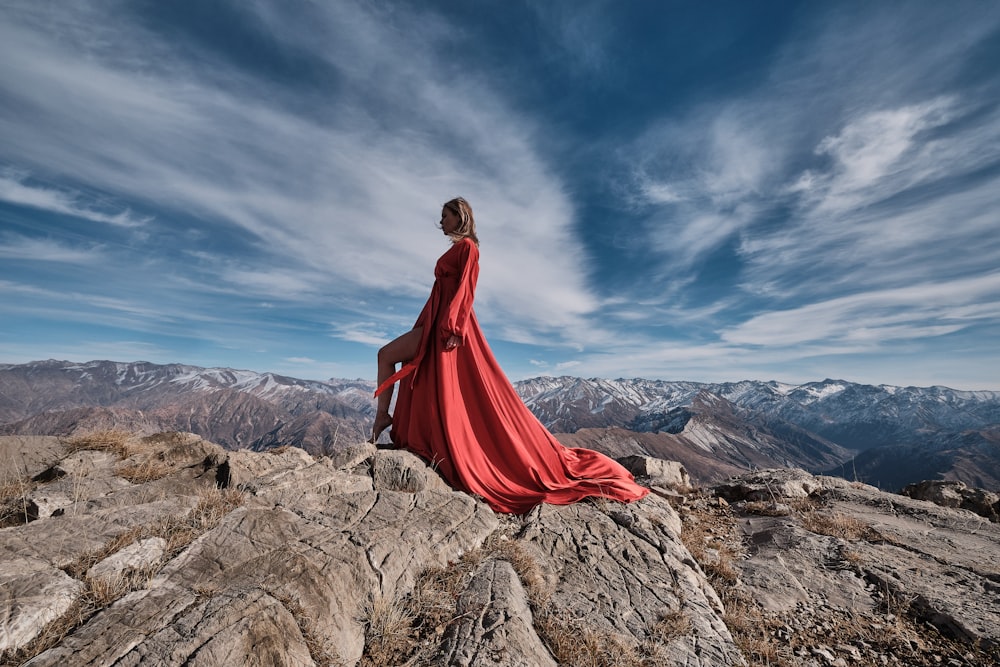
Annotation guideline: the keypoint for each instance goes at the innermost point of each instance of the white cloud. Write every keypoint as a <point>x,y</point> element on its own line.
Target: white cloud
<point>349,193</point>
<point>873,155</point>
<point>23,248</point>
<point>366,333</point>
<point>877,317</point>
<point>14,191</point>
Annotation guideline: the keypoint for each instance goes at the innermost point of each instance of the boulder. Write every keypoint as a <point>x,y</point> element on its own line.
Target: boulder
<point>658,472</point>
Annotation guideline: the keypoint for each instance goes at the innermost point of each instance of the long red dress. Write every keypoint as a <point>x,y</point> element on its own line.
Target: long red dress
<point>457,410</point>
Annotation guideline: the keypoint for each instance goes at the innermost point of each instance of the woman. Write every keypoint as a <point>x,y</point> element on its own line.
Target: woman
<point>457,410</point>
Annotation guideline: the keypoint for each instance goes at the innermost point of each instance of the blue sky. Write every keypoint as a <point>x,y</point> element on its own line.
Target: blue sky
<point>677,190</point>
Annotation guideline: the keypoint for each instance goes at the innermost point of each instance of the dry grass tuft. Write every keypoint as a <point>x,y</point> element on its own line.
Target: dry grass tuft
<point>852,557</point>
<point>149,470</point>
<point>389,628</point>
<point>836,525</point>
<point>716,555</point>
<point>575,645</point>
<point>114,441</point>
<point>671,625</point>
<point>14,491</point>
<point>750,630</point>
<point>104,591</point>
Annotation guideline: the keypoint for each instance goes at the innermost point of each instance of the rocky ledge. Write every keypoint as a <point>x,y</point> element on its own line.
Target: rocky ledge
<point>169,550</point>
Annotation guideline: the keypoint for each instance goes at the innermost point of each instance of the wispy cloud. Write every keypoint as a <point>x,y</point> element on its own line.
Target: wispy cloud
<point>367,333</point>
<point>331,191</point>
<point>878,317</point>
<point>839,196</point>
<point>26,249</point>
<point>15,191</point>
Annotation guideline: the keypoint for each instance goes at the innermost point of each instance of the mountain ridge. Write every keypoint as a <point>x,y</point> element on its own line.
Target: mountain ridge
<point>830,426</point>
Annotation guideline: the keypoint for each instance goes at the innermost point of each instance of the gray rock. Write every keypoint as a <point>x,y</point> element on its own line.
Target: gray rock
<point>619,570</point>
<point>284,578</point>
<point>956,494</point>
<point>495,623</point>
<point>938,564</point>
<point>769,485</point>
<point>32,594</point>
<point>44,505</point>
<point>316,539</point>
<point>140,555</point>
<point>26,456</point>
<point>658,472</point>
<point>395,470</point>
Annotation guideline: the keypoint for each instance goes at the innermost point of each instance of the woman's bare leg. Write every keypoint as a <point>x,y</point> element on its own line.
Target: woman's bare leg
<point>398,351</point>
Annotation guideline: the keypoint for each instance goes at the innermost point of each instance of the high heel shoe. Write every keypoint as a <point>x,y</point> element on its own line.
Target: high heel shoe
<point>382,422</point>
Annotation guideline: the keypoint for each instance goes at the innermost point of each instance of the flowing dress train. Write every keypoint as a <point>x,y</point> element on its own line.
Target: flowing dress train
<point>457,410</point>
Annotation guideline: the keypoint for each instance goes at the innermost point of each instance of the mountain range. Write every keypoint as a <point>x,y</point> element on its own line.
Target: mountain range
<point>884,435</point>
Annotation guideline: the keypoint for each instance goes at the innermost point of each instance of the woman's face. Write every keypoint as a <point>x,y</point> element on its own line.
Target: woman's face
<point>450,221</point>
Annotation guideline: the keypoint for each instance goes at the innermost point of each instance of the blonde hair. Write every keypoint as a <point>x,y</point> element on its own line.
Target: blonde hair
<point>467,223</point>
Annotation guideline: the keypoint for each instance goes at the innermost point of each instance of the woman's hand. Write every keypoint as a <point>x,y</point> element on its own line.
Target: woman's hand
<point>452,342</point>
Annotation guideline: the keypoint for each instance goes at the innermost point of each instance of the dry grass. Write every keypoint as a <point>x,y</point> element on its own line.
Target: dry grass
<point>15,487</point>
<point>575,645</point>
<point>671,625</point>
<point>119,443</point>
<point>142,472</point>
<point>714,553</point>
<point>104,591</point>
<point>851,557</point>
<point>836,525</point>
<point>388,630</point>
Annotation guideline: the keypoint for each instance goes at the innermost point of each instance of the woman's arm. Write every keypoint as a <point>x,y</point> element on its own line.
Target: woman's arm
<point>456,314</point>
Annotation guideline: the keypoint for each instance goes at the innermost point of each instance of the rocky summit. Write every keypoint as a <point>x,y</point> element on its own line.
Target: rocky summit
<point>118,549</point>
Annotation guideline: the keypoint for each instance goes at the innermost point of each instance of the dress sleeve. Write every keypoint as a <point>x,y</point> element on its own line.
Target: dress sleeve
<point>456,314</point>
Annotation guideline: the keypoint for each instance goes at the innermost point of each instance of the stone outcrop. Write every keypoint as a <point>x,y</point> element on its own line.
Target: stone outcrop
<point>956,494</point>
<point>169,550</point>
<point>841,573</point>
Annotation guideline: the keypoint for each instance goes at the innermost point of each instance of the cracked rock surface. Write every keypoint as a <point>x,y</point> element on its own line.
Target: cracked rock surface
<point>169,550</point>
<point>839,573</point>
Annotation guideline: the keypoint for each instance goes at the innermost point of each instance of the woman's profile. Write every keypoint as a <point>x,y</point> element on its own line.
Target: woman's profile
<point>457,410</point>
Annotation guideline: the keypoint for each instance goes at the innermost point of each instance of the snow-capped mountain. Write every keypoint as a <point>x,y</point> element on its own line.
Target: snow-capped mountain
<point>899,434</point>
<point>234,408</point>
<point>855,416</point>
<point>881,434</point>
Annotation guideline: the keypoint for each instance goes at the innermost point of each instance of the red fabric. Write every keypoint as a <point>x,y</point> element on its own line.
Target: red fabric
<point>457,410</point>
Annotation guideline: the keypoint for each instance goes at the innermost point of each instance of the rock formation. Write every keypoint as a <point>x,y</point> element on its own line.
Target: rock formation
<point>169,550</point>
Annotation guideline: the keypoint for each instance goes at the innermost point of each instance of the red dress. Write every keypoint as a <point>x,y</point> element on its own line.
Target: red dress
<point>457,410</point>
